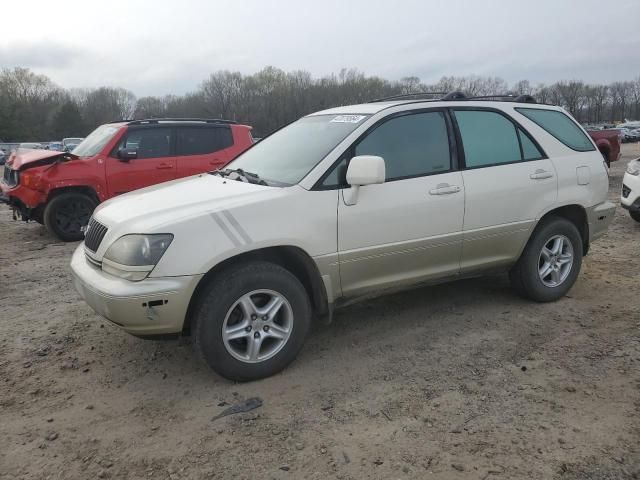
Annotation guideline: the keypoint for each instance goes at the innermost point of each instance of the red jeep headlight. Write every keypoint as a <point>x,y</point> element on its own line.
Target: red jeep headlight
<point>30,180</point>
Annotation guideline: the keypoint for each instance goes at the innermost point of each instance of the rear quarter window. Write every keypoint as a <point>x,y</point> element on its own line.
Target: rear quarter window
<point>559,125</point>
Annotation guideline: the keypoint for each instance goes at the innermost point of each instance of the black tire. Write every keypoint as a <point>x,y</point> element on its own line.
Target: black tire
<point>524,276</point>
<point>67,213</point>
<point>635,216</point>
<point>218,298</point>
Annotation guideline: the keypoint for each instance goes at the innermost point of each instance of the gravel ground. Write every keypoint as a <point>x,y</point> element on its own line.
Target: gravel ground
<point>463,380</point>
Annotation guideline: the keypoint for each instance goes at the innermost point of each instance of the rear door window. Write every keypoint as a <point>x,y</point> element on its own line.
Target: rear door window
<point>529,149</point>
<point>202,140</point>
<point>560,126</point>
<point>488,138</point>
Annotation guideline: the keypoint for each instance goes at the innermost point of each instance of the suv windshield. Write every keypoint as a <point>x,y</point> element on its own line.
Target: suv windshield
<point>288,155</point>
<point>91,145</point>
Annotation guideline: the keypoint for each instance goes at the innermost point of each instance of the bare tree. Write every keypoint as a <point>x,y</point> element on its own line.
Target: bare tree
<point>32,107</point>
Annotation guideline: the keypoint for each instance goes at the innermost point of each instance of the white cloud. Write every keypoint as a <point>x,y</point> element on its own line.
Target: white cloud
<point>154,47</point>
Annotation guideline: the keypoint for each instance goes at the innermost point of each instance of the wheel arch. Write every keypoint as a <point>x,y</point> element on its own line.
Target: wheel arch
<point>294,259</point>
<point>85,190</point>
<point>577,215</point>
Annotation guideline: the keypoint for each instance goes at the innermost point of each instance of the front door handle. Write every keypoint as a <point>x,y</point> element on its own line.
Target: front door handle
<point>540,175</point>
<point>164,166</point>
<point>444,189</point>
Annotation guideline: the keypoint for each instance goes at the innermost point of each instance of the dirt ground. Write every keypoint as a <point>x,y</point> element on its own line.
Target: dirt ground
<point>463,381</point>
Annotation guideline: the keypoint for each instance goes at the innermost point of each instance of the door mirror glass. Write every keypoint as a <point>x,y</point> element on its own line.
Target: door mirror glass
<point>365,170</point>
<point>126,154</point>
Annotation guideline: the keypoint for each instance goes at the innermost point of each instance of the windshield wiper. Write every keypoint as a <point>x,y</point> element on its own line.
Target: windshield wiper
<point>239,174</point>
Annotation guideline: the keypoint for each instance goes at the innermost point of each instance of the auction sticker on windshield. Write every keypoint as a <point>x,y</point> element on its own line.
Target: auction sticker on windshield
<point>348,118</point>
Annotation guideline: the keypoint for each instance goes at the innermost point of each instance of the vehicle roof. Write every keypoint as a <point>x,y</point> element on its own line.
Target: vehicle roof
<point>176,121</point>
<point>375,107</point>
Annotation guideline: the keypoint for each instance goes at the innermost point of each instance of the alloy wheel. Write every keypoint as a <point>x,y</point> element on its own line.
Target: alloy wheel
<point>555,261</point>
<point>257,326</point>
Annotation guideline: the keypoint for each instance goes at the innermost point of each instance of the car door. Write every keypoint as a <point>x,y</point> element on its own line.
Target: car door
<point>155,161</point>
<point>509,182</point>
<point>407,229</point>
<point>202,148</point>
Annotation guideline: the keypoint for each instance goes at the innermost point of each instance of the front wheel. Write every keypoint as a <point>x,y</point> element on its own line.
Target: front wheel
<point>66,214</point>
<point>635,215</point>
<point>251,321</point>
<point>550,263</point>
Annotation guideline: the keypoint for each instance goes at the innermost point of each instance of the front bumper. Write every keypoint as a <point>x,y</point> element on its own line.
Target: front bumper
<point>28,197</point>
<point>154,306</point>
<point>630,197</point>
<point>600,217</point>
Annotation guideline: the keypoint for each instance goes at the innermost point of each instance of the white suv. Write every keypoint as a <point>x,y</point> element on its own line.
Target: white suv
<point>630,199</point>
<point>343,203</point>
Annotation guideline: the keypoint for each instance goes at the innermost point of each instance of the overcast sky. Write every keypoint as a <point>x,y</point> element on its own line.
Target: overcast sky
<point>153,47</point>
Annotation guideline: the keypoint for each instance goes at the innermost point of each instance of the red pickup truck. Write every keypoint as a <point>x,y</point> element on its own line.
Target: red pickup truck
<point>608,142</point>
<point>61,190</point>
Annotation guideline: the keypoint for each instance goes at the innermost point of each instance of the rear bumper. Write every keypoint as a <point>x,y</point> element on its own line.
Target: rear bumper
<point>154,306</point>
<point>600,217</point>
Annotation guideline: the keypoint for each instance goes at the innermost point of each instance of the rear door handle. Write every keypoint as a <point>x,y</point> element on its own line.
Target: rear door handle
<point>444,189</point>
<point>540,175</point>
<point>164,166</point>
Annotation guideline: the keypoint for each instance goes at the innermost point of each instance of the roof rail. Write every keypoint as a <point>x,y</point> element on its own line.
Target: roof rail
<point>122,120</point>
<point>505,98</point>
<point>455,95</point>
<point>525,99</point>
<point>407,95</point>
<point>147,121</point>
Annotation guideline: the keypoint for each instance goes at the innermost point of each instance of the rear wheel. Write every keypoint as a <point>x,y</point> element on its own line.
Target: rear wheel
<point>251,321</point>
<point>550,263</point>
<point>66,214</point>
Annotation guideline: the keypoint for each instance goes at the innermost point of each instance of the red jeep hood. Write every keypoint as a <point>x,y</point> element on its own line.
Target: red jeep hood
<point>19,160</point>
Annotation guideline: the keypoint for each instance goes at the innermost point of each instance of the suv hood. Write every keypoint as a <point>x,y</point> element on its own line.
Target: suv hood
<point>21,160</point>
<point>153,208</point>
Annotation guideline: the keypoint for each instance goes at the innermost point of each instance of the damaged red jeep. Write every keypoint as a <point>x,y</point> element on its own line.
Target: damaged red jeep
<point>61,190</point>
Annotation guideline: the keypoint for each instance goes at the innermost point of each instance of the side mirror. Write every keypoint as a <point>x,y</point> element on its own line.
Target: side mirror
<point>363,170</point>
<point>126,154</point>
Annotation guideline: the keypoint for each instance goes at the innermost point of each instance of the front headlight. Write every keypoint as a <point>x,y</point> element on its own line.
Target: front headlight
<point>134,256</point>
<point>633,168</point>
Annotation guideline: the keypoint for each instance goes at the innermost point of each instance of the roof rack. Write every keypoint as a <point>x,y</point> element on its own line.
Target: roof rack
<point>505,98</point>
<point>148,121</point>
<point>456,95</point>
<point>407,95</point>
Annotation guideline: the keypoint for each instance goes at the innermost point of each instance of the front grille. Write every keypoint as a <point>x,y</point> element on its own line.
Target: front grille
<point>95,234</point>
<point>625,191</point>
<point>11,177</point>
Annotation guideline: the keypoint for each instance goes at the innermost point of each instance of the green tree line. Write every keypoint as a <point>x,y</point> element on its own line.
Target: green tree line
<point>33,108</point>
